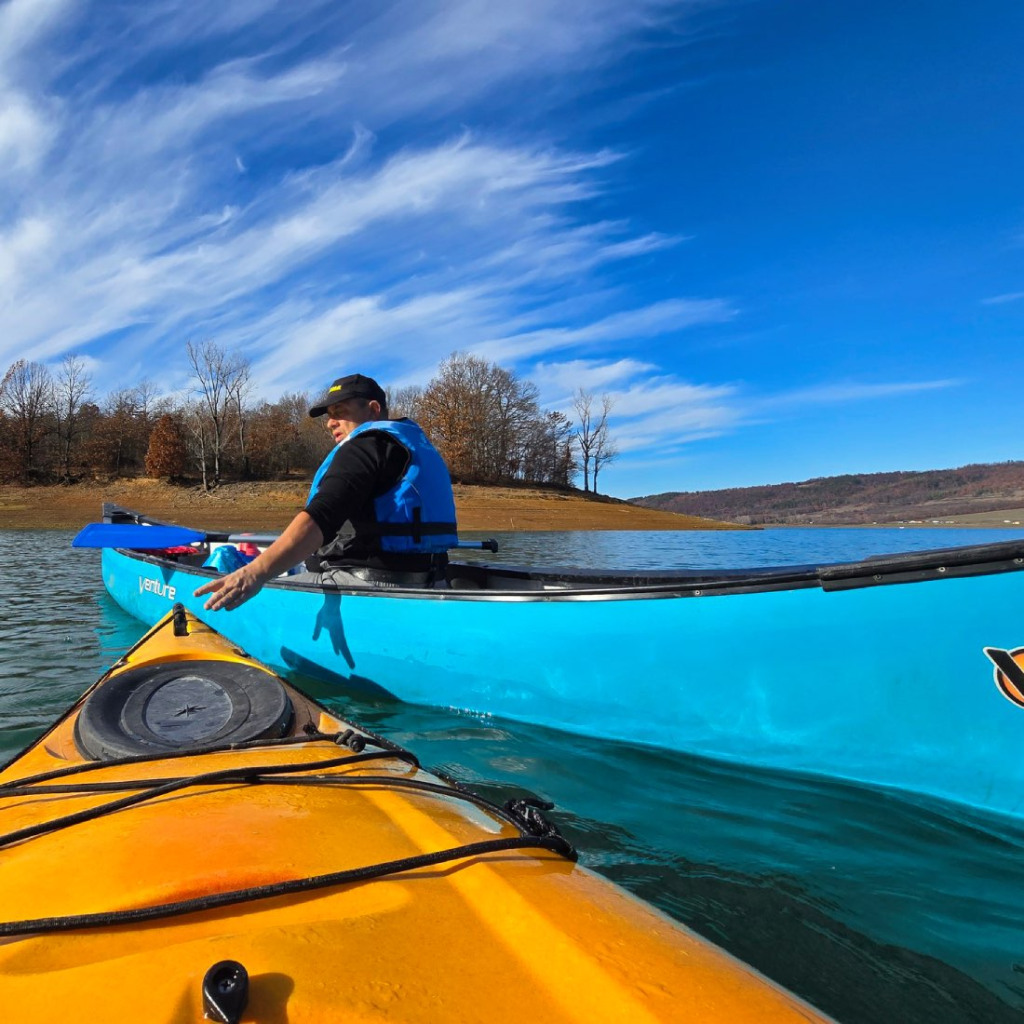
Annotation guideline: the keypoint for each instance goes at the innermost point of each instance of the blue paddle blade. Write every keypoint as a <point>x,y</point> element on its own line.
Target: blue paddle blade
<point>134,535</point>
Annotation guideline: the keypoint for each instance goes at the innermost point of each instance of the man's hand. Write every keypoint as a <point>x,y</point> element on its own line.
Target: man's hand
<point>232,590</point>
<point>300,539</point>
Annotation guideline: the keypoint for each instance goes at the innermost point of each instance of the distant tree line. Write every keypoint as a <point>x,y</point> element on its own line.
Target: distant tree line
<point>485,420</point>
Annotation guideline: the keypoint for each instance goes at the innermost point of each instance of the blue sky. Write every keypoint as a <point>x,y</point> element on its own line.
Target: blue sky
<point>786,237</point>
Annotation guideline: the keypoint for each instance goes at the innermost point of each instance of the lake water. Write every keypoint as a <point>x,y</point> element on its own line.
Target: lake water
<point>873,907</point>
<point>720,549</point>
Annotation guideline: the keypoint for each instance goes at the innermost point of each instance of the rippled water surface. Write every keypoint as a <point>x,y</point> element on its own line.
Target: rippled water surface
<point>722,549</point>
<point>873,907</point>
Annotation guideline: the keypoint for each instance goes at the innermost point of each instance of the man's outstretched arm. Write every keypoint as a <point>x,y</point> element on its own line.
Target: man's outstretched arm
<point>300,539</point>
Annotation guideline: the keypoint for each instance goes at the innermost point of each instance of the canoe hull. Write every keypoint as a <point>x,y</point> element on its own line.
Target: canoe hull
<point>886,685</point>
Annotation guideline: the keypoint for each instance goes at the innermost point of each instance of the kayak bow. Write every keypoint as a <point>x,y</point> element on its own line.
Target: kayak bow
<point>196,836</point>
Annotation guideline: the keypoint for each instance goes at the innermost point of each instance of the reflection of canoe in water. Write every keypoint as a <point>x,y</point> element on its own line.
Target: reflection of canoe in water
<point>194,824</point>
<point>873,671</point>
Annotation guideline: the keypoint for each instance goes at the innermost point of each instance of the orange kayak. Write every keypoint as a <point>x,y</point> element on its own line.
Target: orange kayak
<point>196,837</point>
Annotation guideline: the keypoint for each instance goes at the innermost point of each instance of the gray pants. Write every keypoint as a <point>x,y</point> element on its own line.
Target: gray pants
<point>356,577</point>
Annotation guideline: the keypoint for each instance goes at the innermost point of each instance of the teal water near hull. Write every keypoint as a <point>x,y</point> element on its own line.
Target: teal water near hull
<point>872,905</point>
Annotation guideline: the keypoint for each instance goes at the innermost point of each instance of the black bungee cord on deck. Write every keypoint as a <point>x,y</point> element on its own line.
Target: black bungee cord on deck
<point>44,925</point>
<point>536,832</point>
<point>156,788</point>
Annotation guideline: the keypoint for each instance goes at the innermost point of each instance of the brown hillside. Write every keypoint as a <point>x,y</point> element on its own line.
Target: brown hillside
<point>269,506</point>
<point>980,494</point>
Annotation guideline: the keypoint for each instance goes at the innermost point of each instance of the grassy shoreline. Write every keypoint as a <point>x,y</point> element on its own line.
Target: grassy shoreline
<point>269,506</point>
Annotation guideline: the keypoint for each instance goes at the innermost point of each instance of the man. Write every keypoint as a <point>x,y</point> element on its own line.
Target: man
<point>380,511</point>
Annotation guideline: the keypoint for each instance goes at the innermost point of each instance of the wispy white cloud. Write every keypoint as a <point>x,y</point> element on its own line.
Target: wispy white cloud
<point>23,22</point>
<point>231,172</point>
<point>655,410</point>
<point>850,391</point>
<point>629,325</point>
<point>431,56</point>
<point>564,378</point>
<point>26,116</point>
<point>545,249</point>
<point>999,300</point>
<point>666,413</point>
<point>25,134</point>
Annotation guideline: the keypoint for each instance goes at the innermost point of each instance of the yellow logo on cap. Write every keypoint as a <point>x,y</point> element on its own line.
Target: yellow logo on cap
<point>337,387</point>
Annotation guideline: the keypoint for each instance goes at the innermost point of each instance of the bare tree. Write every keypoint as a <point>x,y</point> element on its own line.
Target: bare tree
<point>513,412</point>
<point>26,393</point>
<point>583,402</point>
<point>605,449</point>
<point>219,382</point>
<point>238,386</point>
<point>596,448</point>
<point>150,405</point>
<point>71,388</point>
<point>197,421</point>
<point>405,402</point>
<point>549,449</point>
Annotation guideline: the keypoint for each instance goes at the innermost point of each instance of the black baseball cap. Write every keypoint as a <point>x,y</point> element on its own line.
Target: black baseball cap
<point>355,385</point>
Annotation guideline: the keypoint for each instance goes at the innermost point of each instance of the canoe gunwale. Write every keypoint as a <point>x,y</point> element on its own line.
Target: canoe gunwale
<point>525,583</point>
<point>562,586</point>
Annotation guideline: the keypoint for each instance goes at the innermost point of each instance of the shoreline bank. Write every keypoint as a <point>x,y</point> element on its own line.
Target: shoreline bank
<point>271,505</point>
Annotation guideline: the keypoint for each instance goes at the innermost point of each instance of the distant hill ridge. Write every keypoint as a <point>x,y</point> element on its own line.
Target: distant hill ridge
<point>856,499</point>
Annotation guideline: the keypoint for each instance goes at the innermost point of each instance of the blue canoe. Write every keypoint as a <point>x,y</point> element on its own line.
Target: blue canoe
<point>882,671</point>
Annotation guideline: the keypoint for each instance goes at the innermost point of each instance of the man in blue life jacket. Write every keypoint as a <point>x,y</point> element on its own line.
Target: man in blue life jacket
<point>380,511</point>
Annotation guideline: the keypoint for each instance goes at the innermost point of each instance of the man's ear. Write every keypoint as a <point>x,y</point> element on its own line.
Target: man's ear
<point>374,406</point>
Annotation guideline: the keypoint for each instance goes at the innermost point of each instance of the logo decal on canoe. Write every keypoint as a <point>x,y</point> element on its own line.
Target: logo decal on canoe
<point>1009,673</point>
<point>156,587</point>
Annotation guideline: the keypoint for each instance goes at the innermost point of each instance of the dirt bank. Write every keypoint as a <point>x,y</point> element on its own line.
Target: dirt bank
<point>269,506</point>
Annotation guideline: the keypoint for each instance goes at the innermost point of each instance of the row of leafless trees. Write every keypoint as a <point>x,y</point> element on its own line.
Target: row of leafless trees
<point>485,420</point>
<point>488,424</point>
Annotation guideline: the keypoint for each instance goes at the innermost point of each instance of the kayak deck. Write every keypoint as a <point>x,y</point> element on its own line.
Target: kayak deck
<point>349,883</point>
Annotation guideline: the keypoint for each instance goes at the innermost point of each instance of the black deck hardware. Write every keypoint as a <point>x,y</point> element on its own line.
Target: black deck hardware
<point>351,739</point>
<point>180,621</point>
<point>525,813</point>
<point>225,992</point>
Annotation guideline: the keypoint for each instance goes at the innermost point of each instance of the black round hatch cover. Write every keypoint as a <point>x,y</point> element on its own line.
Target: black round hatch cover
<point>179,706</point>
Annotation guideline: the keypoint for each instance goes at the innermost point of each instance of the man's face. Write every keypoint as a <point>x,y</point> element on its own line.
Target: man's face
<point>343,417</point>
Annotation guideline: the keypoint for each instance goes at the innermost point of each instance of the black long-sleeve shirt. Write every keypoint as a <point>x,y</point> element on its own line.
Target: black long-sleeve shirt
<point>363,468</point>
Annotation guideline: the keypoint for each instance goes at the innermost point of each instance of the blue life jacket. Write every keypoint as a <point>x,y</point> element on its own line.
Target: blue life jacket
<point>417,516</point>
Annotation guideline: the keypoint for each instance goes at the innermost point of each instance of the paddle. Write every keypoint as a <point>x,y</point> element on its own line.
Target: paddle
<point>482,545</point>
<point>269,538</point>
<point>134,535</point>
<point>138,535</point>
